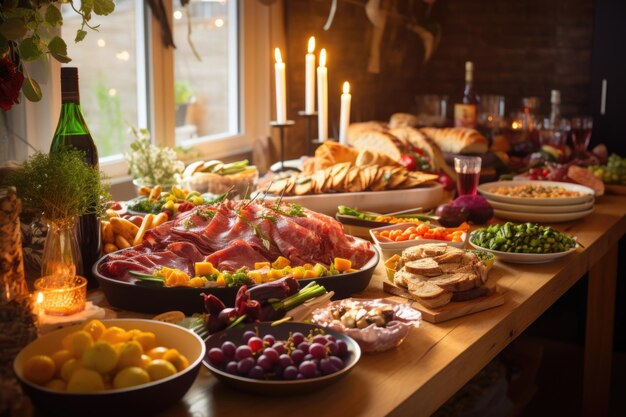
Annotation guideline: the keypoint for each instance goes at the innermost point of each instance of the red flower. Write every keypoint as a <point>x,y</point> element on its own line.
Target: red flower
<point>10,83</point>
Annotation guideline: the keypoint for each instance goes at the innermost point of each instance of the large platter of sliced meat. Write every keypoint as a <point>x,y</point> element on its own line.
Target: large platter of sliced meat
<point>230,235</point>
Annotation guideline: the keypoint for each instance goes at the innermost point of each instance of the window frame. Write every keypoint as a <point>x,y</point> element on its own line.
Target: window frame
<point>36,122</point>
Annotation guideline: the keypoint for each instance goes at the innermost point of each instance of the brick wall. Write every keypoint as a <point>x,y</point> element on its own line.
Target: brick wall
<point>519,47</point>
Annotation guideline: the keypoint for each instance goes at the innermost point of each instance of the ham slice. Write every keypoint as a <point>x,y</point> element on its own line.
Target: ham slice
<point>233,234</point>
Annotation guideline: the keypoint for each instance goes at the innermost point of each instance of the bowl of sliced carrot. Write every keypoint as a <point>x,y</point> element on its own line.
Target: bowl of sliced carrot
<point>392,239</point>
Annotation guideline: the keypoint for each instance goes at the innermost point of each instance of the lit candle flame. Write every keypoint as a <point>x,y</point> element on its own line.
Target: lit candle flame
<point>516,125</point>
<point>277,56</point>
<point>346,87</point>
<point>323,58</point>
<point>39,299</point>
<point>311,44</point>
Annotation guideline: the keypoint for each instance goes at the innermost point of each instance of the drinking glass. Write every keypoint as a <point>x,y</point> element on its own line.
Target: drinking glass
<point>581,127</point>
<point>491,110</point>
<point>467,174</point>
<point>431,109</point>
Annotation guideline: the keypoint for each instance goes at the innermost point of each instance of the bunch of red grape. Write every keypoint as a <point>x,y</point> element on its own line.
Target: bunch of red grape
<point>265,358</point>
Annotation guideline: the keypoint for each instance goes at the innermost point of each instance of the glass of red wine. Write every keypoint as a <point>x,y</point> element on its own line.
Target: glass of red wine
<point>468,173</point>
<point>581,127</point>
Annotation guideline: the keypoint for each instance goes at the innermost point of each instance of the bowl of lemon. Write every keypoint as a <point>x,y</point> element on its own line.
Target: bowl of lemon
<point>129,366</point>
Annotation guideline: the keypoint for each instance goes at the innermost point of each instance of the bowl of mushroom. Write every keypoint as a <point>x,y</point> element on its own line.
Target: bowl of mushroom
<point>376,325</point>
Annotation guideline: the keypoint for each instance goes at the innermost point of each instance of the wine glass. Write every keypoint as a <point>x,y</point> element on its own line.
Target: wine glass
<point>581,127</point>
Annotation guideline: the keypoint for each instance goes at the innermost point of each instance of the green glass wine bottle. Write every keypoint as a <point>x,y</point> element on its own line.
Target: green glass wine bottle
<point>72,132</point>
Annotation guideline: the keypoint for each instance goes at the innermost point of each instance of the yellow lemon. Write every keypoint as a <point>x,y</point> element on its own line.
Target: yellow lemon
<point>95,328</point>
<point>69,367</point>
<point>39,369</point>
<point>130,377</point>
<point>79,342</point>
<point>115,335</point>
<point>145,360</point>
<point>147,340</point>
<point>159,369</point>
<point>175,358</point>
<point>157,352</point>
<point>101,357</point>
<point>130,354</point>
<point>60,357</point>
<point>85,381</point>
<point>56,385</point>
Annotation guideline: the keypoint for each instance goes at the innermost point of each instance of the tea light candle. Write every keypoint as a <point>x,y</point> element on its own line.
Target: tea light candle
<point>281,91</point>
<point>309,82</point>
<point>61,295</point>
<point>344,117</point>
<point>322,98</point>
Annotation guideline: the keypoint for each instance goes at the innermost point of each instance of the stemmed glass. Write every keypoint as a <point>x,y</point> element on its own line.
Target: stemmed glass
<point>581,127</point>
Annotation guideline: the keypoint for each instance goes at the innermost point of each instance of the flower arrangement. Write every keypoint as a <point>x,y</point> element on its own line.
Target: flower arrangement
<point>152,165</point>
<point>25,26</point>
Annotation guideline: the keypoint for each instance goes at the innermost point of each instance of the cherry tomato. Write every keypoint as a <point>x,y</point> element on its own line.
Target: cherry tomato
<point>408,161</point>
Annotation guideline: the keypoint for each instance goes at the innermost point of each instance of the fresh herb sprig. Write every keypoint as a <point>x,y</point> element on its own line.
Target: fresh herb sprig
<point>60,186</point>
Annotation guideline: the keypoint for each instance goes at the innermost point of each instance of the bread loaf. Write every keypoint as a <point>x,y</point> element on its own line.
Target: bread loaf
<point>412,137</point>
<point>402,120</point>
<point>457,140</point>
<point>380,142</point>
<point>355,130</point>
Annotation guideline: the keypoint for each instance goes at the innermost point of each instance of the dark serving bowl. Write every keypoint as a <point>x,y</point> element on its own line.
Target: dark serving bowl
<point>280,332</point>
<point>136,295</point>
<point>141,400</point>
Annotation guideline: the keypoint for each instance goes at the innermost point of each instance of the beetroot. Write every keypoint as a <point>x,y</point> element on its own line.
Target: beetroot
<point>480,211</point>
<point>450,216</point>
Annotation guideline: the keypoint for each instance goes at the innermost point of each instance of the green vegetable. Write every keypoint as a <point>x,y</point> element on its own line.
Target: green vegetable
<point>353,212</point>
<point>237,278</point>
<point>145,206</point>
<point>522,238</point>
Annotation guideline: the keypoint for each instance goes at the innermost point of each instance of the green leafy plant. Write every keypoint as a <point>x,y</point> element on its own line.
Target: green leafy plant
<point>27,33</point>
<point>182,93</point>
<point>60,186</point>
<point>150,164</point>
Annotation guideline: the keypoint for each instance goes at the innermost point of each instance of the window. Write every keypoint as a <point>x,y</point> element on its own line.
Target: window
<point>127,78</point>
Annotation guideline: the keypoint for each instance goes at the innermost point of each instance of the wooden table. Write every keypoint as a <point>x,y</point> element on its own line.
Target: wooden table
<point>436,360</point>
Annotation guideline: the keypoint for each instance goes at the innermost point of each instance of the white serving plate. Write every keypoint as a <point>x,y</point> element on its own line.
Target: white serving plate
<point>541,217</point>
<point>378,201</point>
<point>525,258</point>
<point>388,249</point>
<point>484,189</point>
<point>527,208</point>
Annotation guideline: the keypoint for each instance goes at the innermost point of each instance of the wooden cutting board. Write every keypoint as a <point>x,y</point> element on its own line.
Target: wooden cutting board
<point>451,310</point>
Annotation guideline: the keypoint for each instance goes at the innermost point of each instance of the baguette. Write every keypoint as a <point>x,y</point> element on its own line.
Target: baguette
<point>457,140</point>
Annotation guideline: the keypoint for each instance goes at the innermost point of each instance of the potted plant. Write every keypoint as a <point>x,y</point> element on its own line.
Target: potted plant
<point>183,95</point>
<point>60,187</point>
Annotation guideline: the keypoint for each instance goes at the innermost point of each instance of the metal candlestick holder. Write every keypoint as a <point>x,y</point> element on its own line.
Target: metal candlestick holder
<point>281,129</point>
<point>309,135</point>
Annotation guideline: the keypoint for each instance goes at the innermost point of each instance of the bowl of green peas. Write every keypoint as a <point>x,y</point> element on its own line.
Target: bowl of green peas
<point>527,243</point>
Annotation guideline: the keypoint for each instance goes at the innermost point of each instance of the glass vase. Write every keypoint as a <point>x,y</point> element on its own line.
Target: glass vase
<point>61,252</point>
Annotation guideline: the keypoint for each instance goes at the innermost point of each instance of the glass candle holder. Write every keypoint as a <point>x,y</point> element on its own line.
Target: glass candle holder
<point>61,295</point>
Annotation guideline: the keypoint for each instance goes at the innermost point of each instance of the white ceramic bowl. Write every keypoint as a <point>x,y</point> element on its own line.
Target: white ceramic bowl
<point>146,399</point>
<point>388,249</point>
